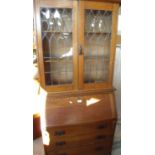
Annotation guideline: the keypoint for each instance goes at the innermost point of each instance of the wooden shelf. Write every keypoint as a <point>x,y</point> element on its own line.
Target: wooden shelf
<point>48,31</point>
<point>110,1</point>
<point>57,58</point>
<point>96,57</point>
<point>97,32</point>
<point>50,72</point>
<point>87,58</point>
<point>58,61</point>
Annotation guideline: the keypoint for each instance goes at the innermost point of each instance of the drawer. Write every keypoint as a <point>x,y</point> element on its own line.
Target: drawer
<point>84,140</point>
<point>95,149</point>
<point>76,153</point>
<point>106,127</point>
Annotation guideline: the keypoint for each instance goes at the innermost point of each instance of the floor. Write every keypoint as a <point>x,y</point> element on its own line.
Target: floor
<point>38,148</point>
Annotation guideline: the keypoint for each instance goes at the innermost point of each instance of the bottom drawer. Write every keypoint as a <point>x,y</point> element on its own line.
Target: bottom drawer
<point>98,149</point>
<point>95,153</point>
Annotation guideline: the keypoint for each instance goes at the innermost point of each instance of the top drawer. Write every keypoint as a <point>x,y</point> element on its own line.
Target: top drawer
<point>106,127</point>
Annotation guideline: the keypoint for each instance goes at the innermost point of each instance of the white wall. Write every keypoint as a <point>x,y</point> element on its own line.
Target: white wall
<point>117,85</point>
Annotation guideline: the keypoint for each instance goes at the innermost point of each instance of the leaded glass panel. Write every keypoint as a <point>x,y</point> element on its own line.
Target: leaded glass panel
<point>97,45</point>
<point>56,26</point>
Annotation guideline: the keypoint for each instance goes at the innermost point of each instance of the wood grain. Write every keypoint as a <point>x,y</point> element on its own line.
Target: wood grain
<point>56,4</point>
<point>39,44</point>
<point>113,41</point>
<point>71,114</point>
<point>79,93</point>
<point>81,44</point>
<point>75,44</point>
<point>97,5</point>
<point>104,127</point>
<point>80,141</point>
<point>107,1</point>
<point>36,126</point>
<point>78,40</point>
<point>75,125</point>
<point>92,149</point>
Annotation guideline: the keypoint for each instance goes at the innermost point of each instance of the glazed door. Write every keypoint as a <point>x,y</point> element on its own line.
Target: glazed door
<point>57,44</point>
<point>97,25</point>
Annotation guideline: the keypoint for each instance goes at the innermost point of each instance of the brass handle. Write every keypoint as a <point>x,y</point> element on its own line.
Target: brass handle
<point>80,50</point>
<point>61,143</point>
<point>62,154</point>
<point>59,133</point>
<point>99,148</point>
<point>100,137</point>
<point>102,126</point>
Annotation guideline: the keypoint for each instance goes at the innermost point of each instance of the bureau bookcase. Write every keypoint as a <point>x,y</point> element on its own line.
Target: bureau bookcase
<point>76,42</point>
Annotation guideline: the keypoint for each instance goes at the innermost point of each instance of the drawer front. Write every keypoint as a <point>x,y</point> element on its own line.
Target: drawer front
<point>107,127</point>
<point>96,149</point>
<point>80,141</point>
<point>76,153</point>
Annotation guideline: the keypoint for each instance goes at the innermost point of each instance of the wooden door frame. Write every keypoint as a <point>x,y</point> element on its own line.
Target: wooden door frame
<point>97,6</point>
<point>57,4</point>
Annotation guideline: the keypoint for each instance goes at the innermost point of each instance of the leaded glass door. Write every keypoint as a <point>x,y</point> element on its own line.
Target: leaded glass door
<point>57,44</point>
<point>97,40</point>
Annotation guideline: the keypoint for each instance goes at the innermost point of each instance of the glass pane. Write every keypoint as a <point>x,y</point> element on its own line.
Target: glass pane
<point>97,45</point>
<point>57,46</point>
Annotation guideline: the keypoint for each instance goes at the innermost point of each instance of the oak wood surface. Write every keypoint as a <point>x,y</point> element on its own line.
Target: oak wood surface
<point>61,112</point>
<point>78,40</point>
<point>97,6</point>
<point>96,149</point>
<point>81,43</point>
<point>102,127</point>
<point>63,1</point>
<point>34,28</point>
<point>113,42</point>
<point>108,1</point>
<point>79,141</point>
<point>56,4</point>
<point>39,43</point>
<point>36,126</point>
<point>72,120</point>
<point>79,93</point>
<point>75,44</point>
<point>80,128</point>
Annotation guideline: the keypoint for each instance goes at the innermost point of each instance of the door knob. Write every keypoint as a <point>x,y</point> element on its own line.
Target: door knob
<point>80,50</point>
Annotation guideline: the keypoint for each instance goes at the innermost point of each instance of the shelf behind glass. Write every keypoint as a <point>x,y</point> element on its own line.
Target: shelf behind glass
<point>57,59</point>
<point>63,32</point>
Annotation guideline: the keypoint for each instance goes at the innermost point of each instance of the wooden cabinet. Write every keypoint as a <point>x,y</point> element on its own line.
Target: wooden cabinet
<point>82,125</point>
<point>76,43</point>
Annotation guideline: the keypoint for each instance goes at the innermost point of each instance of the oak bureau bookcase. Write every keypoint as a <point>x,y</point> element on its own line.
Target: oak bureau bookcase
<point>76,42</point>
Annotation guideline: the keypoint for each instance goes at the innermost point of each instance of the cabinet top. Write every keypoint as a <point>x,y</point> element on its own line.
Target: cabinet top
<point>111,1</point>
